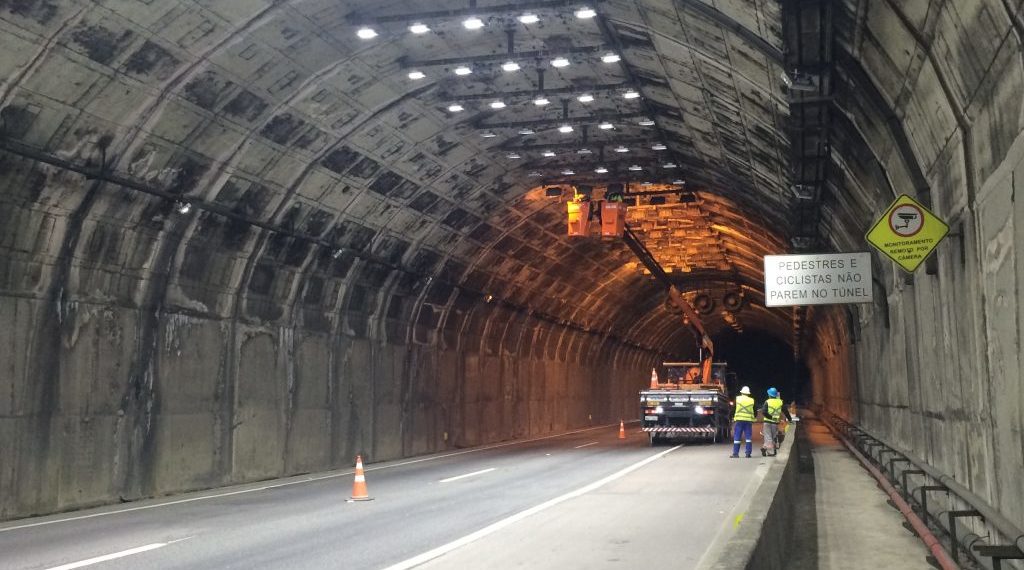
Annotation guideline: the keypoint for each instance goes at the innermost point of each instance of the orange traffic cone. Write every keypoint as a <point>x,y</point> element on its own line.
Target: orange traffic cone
<point>654,379</point>
<point>622,430</point>
<point>359,485</point>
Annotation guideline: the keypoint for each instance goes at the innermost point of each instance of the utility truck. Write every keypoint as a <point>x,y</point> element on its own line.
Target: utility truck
<point>692,404</point>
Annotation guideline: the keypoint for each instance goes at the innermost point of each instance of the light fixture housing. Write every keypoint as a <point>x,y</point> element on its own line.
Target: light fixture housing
<point>565,129</point>
<point>416,75</point>
<point>635,168</point>
<point>611,57</point>
<point>510,66</point>
<point>631,94</point>
<point>529,18</point>
<point>488,135</point>
<point>621,148</point>
<point>472,23</point>
<point>534,174</point>
<point>601,170</point>
<point>527,131</point>
<point>455,108</point>
<point>658,146</point>
<point>541,101</point>
<point>560,62</point>
<point>499,104</point>
<point>585,13</point>
<point>548,153</point>
<point>669,165</point>
<point>584,151</point>
<point>513,156</point>
<point>606,126</point>
<point>366,33</point>
<point>646,122</point>
<point>183,207</point>
<point>568,172</point>
<point>585,98</point>
<point>463,70</point>
<point>419,28</point>
<point>679,181</point>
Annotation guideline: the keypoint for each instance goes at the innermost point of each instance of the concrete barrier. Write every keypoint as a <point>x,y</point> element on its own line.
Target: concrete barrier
<point>760,529</point>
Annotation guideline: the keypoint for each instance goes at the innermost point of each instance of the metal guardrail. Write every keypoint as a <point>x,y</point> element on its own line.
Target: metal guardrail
<point>900,466</point>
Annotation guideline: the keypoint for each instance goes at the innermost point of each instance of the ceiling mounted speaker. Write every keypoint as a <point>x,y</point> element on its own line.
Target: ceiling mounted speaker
<point>703,304</point>
<point>732,301</point>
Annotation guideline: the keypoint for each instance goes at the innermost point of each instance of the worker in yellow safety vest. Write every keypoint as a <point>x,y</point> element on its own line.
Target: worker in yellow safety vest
<point>773,409</point>
<point>743,422</point>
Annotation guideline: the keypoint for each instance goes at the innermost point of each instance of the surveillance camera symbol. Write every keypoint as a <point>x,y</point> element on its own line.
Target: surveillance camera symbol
<point>907,217</point>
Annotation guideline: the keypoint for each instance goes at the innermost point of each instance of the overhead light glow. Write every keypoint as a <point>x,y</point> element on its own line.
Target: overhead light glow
<point>366,33</point>
<point>646,122</point>
<point>456,108</point>
<point>560,62</point>
<point>669,165</point>
<point>499,104</point>
<point>414,75</point>
<point>585,98</point>
<point>527,131</point>
<point>529,18</point>
<point>419,28</point>
<point>606,126</point>
<point>548,153</point>
<point>584,151</point>
<point>635,167</point>
<point>184,207</point>
<point>463,70</point>
<point>510,66</point>
<point>565,129</point>
<point>601,170</point>
<point>679,181</point>
<point>534,174</point>
<point>658,146</point>
<point>621,148</point>
<point>631,94</point>
<point>610,57</point>
<point>488,135</point>
<point>568,172</point>
<point>514,155</point>
<point>541,101</point>
<point>585,13</point>
<point>472,23</point>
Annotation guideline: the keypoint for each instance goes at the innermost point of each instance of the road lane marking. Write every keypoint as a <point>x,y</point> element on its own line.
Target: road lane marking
<point>116,555</point>
<point>495,527</point>
<point>312,479</point>
<point>585,445</point>
<point>473,474</point>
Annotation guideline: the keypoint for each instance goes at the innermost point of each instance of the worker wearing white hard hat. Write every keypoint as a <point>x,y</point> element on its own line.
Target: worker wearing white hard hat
<point>743,422</point>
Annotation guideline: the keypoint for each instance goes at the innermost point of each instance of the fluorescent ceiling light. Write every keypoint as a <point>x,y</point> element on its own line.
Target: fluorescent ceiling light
<point>527,131</point>
<point>488,135</point>
<point>645,122</point>
<point>455,108</point>
<point>510,66</point>
<point>499,104</point>
<point>463,70</point>
<point>529,18</point>
<point>419,28</point>
<point>534,174</point>
<point>631,94</point>
<point>621,148</point>
<point>585,98</point>
<point>585,13</point>
<point>514,155</point>
<point>610,57</point>
<point>184,207</point>
<point>658,146</point>
<point>541,101</point>
<point>472,23</point>
<point>635,167</point>
<point>601,170</point>
<point>414,75</point>
<point>548,153</point>
<point>559,62</point>
<point>679,181</point>
<point>568,172</point>
<point>565,129</point>
<point>669,165</point>
<point>366,33</point>
<point>606,126</point>
<point>584,151</point>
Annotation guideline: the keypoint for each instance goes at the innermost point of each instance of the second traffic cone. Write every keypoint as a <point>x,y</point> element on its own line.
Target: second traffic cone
<point>654,379</point>
<point>622,430</point>
<point>359,492</point>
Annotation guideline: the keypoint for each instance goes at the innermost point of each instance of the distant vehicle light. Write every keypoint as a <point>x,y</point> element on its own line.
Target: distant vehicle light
<point>699,409</point>
<point>659,410</point>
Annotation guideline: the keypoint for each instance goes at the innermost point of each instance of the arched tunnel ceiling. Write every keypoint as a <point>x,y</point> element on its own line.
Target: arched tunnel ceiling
<point>276,112</point>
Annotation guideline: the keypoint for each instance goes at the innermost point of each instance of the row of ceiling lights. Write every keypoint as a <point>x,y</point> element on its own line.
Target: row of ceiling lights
<point>565,128</point>
<point>604,170</point>
<point>512,65</point>
<point>539,101</point>
<point>548,153</point>
<point>474,23</point>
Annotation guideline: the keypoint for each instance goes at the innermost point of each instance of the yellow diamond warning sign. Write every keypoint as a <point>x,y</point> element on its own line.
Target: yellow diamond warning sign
<point>907,232</point>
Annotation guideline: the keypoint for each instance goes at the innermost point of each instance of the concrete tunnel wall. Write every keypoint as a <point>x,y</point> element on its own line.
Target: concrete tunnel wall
<point>933,365</point>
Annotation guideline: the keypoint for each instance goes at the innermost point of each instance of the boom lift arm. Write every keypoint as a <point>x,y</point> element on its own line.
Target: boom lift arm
<point>645,257</point>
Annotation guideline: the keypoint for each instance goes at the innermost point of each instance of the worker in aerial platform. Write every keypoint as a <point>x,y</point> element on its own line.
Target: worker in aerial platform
<point>773,410</point>
<point>743,422</point>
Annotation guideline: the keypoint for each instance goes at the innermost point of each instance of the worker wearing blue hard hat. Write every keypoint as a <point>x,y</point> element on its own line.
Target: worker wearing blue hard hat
<point>773,410</point>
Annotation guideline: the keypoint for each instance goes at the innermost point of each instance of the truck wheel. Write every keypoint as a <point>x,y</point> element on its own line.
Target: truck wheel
<point>654,438</point>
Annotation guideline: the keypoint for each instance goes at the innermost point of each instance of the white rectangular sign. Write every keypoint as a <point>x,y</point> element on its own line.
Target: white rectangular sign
<point>819,279</point>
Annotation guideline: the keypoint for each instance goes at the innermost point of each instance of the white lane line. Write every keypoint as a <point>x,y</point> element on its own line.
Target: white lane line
<point>116,555</point>
<point>495,527</point>
<point>473,474</point>
<point>585,445</point>
<point>298,482</point>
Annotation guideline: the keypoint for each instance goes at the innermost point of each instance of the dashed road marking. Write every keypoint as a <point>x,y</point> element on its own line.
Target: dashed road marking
<point>473,474</point>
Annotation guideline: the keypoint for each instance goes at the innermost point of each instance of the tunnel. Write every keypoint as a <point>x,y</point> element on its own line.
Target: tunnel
<point>243,240</point>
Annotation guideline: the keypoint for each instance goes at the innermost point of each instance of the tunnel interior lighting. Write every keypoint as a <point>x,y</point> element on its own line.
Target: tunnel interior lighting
<point>631,94</point>
<point>527,131</point>
<point>456,108</point>
<point>565,129</point>
<point>568,172</point>
<point>183,207</point>
<point>366,33</point>
<point>585,98</point>
<point>585,13</point>
<point>658,146</point>
<point>529,18</point>
<point>679,181</point>
<point>553,191</point>
<point>669,165</point>
<point>584,151</point>
<point>510,66</point>
<point>606,126</point>
<point>416,75</point>
<point>337,253</point>
<point>534,174</point>
<point>601,170</point>
<point>621,148</point>
<point>541,101</point>
<point>472,23</point>
<point>635,168</point>
<point>611,57</point>
<point>513,156</point>
<point>499,104</point>
<point>488,135</point>
<point>548,153</point>
<point>463,70</point>
<point>419,28</point>
<point>560,62</point>
<point>646,122</point>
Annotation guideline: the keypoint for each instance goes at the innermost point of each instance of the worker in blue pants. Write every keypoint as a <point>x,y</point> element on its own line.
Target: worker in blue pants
<point>743,422</point>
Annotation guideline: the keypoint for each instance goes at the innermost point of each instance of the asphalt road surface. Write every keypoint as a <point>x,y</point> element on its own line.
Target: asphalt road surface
<point>584,499</point>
